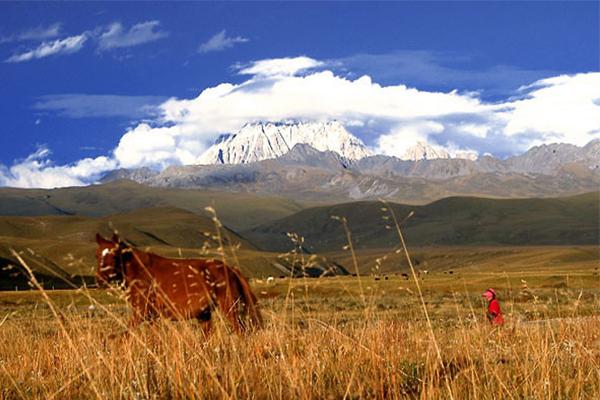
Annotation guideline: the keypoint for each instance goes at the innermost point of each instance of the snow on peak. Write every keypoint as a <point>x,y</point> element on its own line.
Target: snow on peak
<point>265,140</point>
<point>424,151</point>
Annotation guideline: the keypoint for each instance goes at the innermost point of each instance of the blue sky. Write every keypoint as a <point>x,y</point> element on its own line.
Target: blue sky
<point>76,77</point>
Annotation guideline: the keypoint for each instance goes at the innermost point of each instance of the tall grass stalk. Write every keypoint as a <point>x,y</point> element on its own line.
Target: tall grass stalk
<point>418,286</point>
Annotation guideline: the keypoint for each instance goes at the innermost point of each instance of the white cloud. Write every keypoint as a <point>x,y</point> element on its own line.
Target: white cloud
<point>562,108</point>
<point>401,138</point>
<point>477,130</point>
<point>158,147</point>
<point>275,93</point>
<point>37,33</point>
<point>280,66</point>
<point>220,41</point>
<point>113,36</point>
<point>116,36</point>
<point>37,171</point>
<point>392,118</point>
<point>69,45</point>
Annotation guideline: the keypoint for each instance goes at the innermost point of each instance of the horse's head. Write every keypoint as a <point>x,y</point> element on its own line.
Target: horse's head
<point>109,255</point>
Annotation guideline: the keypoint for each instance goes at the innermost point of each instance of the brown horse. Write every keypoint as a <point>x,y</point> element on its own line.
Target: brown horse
<point>176,288</point>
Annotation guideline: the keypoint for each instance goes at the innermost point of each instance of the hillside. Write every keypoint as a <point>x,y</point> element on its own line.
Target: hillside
<point>451,221</point>
<point>63,246</point>
<point>145,227</point>
<point>61,249</point>
<point>124,196</point>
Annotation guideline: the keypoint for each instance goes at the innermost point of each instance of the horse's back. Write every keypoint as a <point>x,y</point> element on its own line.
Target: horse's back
<point>181,287</point>
<point>190,288</point>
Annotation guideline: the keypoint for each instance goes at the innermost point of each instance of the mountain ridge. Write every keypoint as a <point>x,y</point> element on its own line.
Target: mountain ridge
<point>309,174</point>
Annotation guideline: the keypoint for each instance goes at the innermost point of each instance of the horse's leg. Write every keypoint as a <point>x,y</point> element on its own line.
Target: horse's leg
<point>204,318</point>
<point>229,309</point>
<point>205,326</point>
<point>140,303</point>
<point>136,319</point>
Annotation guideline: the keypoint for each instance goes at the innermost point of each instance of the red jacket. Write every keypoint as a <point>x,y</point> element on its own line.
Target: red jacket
<point>494,314</point>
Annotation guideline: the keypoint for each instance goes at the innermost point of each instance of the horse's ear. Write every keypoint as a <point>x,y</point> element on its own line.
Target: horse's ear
<point>115,238</point>
<point>100,239</point>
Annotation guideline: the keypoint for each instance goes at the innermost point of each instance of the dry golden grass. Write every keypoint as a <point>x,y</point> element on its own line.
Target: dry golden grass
<point>343,337</point>
<point>320,341</point>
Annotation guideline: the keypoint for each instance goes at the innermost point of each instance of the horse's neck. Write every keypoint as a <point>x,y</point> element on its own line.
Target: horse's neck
<point>140,263</point>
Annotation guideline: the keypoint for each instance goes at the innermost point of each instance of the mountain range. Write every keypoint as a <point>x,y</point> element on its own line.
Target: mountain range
<point>266,140</point>
<point>317,161</point>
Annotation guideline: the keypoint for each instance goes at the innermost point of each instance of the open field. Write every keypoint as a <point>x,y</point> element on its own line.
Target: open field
<point>354,337</point>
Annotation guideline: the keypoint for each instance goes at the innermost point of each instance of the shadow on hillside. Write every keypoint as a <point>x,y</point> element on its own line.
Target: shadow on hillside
<point>15,277</point>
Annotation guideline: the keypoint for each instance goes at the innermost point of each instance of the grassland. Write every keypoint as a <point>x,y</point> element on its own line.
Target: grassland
<point>384,333</point>
<point>375,335</point>
<point>324,338</point>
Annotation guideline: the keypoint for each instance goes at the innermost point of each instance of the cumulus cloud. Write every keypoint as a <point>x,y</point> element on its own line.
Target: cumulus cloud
<point>116,36</point>
<point>38,171</point>
<point>563,108</point>
<point>220,41</point>
<point>401,138</point>
<point>158,147</point>
<point>69,45</point>
<point>389,118</point>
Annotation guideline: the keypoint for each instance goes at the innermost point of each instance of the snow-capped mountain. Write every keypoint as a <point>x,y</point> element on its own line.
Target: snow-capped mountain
<point>424,151</point>
<point>307,173</point>
<point>268,140</point>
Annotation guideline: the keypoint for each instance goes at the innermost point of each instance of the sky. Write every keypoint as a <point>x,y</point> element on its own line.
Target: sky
<point>88,87</point>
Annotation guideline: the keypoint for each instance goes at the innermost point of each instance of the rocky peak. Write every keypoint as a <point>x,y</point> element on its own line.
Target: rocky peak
<point>266,140</point>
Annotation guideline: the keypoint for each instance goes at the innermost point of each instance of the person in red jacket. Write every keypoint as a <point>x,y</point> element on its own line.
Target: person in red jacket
<point>494,314</point>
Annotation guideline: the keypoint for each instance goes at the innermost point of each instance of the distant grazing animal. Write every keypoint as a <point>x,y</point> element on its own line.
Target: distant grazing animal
<point>177,289</point>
